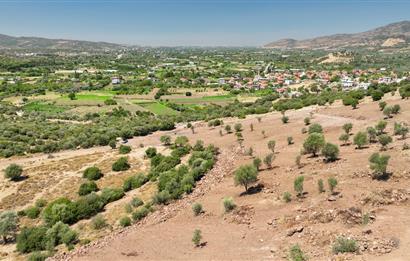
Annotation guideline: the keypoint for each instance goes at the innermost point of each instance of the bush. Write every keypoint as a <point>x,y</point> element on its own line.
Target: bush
<point>298,185</point>
<point>228,129</point>
<point>150,152</point>
<point>31,239</point>
<point>110,102</point>
<point>228,204</point>
<point>306,121</point>
<point>111,194</point>
<point>287,197</point>
<point>315,128</point>
<point>296,254</point>
<point>98,222</point>
<point>285,119</point>
<point>32,212</point>
<point>347,127</point>
<point>13,172</point>
<point>245,176</point>
<point>121,164</point>
<point>314,143</point>
<point>134,182</point>
<point>344,138</point>
<point>136,202</point>
<point>384,140</point>
<point>197,237</point>
<point>257,163</point>
<point>237,127</point>
<point>87,188</point>
<point>320,186</point>
<point>61,209</point>
<point>181,141</point>
<point>380,127</point>
<point>40,203</point>
<point>92,173</point>
<point>8,225</point>
<point>38,256</point>
<point>371,131</point>
<point>125,222</point>
<point>378,163</point>
<point>197,209</point>
<point>344,245</point>
<point>271,145</point>
<point>332,184</point>
<point>330,152</point>
<point>396,109</point>
<point>162,197</point>
<point>290,140</point>
<point>140,213</point>
<point>360,139</point>
<point>60,233</point>
<point>124,149</point>
<point>165,140</point>
<point>382,105</point>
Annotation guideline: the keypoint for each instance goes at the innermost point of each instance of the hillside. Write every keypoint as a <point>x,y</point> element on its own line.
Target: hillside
<point>35,43</point>
<point>392,35</point>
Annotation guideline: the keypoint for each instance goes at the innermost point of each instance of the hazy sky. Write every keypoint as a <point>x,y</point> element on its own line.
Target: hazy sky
<point>195,22</point>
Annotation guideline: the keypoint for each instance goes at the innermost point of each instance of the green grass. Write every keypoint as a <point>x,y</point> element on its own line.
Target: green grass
<point>158,108</point>
<point>91,96</point>
<point>43,107</point>
<point>205,99</point>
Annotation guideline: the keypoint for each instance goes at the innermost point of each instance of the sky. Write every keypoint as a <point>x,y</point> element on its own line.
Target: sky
<point>195,22</point>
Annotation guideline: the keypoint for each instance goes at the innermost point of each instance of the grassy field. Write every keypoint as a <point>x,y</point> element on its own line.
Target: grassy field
<point>43,106</point>
<point>158,108</point>
<point>204,99</point>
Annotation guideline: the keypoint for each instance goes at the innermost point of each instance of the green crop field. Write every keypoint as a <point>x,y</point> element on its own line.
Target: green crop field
<point>158,108</point>
<point>205,99</point>
<point>43,106</point>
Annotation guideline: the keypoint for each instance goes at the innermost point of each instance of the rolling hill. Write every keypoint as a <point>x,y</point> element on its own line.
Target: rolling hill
<point>35,43</point>
<point>391,35</point>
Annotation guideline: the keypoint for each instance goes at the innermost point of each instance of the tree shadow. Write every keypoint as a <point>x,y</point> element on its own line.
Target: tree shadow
<point>253,190</point>
<point>21,178</point>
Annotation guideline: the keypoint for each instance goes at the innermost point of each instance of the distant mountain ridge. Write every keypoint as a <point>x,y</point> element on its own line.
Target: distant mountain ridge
<point>391,35</point>
<point>33,43</point>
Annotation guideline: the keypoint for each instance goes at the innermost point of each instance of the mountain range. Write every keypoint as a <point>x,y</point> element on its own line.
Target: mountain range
<point>391,35</point>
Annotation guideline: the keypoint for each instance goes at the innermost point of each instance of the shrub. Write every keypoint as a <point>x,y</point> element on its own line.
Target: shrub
<point>136,202</point>
<point>121,164</point>
<point>111,194</point>
<point>40,203</point>
<point>380,126</point>
<point>181,141</point>
<point>344,138</point>
<point>378,163</point>
<point>314,143</point>
<point>197,237</point>
<point>92,173</point>
<point>134,182</point>
<point>110,102</point>
<point>228,204</point>
<point>124,149</point>
<point>237,127</point>
<point>162,197</point>
<point>31,239</point>
<point>320,186</point>
<point>98,222</point>
<point>38,256</point>
<point>112,144</point>
<point>165,140</point>
<point>257,163</point>
<point>382,105</point>
<point>128,208</point>
<point>330,152</point>
<point>87,188</point>
<point>197,209</point>
<point>245,176</point>
<point>290,140</point>
<point>387,111</point>
<point>298,161</point>
<point>271,145</point>
<point>315,128</point>
<point>125,222</point>
<point>332,182</point>
<point>371,131</point>
<point>344,245</point>
<point>151,152</point>
<point>287,197</point>
<point>268,160</point>
<point>228,129</point>
<point>61,209</point>
<point>396,109</point>
<point>298,185</point>
<point>60,233</point>
<point>347,127</point>
<point>360,139</point>
<point>13,172</point>
<point>140,213</point>
<point>384,140</point>
<point>32,212</point>
<point>296,254</point>
<point>306,121</point>
<point>8,225</point>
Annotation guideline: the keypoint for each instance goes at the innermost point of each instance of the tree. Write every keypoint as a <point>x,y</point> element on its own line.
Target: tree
<point>315,128</point>
<point>165,140</point>
<point>387,111</point>
<point>197,209</point>
<point>181,141</point>
<point>197,237</point>
<point>384,140</point>
<point>290,140</point>
<point>13,172</point>
<point>8,225</point>
<point>87,188</point>
<point>237,127</point>
<point>121,164</point>
<point>124,149</point>
<point>271,145</point>
<point>344,138</point>
<point>371,131</point>
<point>377,95</point>
<point>251,126</point>
<point>360,139</point>
<point>306,121</point>
<point>92,173</point>
<point>245,176</point>
<point>380,126</point>
<point>72,96</point>
<point>287,197</point>
<point>320,186</point>
<point>330,152</point>
<point>285,119</point>
<point>395,109</point>
<point>378,163</point>
<point>347,127</point>
<point>257,163</point>
<point>332,184</point>
<point>268,160</point>
<point>298,185</point>
<point>296,254</point>
<point>228,129</point>
<point>314,143</point>
<point>228,204</point>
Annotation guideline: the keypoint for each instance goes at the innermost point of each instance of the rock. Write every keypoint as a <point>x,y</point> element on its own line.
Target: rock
<point>294,230</point>
<point>331,198</point>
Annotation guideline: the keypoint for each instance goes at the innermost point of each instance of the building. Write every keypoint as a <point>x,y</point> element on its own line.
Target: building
<point>115,80</point>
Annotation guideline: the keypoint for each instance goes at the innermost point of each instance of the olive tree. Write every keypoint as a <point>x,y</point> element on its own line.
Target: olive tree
<point>378,163</point>
<point>330,152</point>
<point>13,172</point>
<point>360,139</point>
<point>245,176</point>
<point>8,225</point>
<point>314,143</point>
